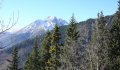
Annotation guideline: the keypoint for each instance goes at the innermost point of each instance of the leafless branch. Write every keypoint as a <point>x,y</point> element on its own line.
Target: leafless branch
<point>11,23</point>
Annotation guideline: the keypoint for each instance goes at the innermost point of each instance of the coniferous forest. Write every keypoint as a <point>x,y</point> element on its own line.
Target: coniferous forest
<point>65,48</point>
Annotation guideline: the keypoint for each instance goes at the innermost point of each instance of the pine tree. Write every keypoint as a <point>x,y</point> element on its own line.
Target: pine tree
<point>56,36</point>
<point>44,50</point>
<point>114,45</point>
<point>98,49</point>
<point>14,63</point>
<point>33,60</point>
<point>72,32</point>
<point>54,62</point>
<point>101,42</point>
<point>28,64</point>
<point>71,50</point>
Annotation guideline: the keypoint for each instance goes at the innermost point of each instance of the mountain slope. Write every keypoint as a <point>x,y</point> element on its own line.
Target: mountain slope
<point>36,28</point>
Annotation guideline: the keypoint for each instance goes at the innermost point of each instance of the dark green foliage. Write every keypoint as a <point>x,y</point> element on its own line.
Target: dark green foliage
<point>44,50</point>
<point>114,44</point>
<point>53,63</point>
<point>71,50</point>
<point>33,60</point>
<point>56,36</point>
<point>72,33</point>
<point>15,60</point>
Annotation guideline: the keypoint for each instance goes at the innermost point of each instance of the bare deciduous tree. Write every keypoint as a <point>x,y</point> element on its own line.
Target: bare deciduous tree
<point>7,26</point>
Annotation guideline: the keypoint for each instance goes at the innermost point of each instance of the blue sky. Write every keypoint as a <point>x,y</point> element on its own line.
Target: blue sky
<point>31,10</point>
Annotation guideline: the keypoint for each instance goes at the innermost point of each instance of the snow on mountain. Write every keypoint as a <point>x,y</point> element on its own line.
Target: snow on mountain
<point>37,27</point>
<point>46,24</point>
<point>51,21</point>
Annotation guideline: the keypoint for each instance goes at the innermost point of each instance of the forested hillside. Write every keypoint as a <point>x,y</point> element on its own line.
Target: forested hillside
<point>93,44</point>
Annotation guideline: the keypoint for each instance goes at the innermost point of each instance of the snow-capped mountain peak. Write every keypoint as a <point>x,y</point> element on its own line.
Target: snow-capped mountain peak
<point>52,18</point>
<point>36,28</point>
<point>46,24</point>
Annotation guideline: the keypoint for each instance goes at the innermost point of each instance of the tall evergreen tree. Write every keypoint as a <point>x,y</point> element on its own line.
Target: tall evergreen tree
<point>101,42</point>
<point>71,49</point>
<point>56,36</point>
<point>14,63</point>
<point>98,49</point>
<point>33,60</point>
<point>53,62</point>
<point>72,33</point>
<point>114,45</point>
<point>44,50</point>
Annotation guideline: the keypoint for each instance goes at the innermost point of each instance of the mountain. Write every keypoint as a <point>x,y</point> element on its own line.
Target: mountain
<point>43,25</point>
<point>35,28</point>
<point>4,36</point>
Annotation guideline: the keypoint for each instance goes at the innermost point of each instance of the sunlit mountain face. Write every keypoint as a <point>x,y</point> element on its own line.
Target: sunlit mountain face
<point>35,28</point>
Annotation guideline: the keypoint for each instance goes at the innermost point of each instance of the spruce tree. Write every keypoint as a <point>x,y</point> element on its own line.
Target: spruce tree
<point>14,63</point>
<point>32,62</point>
<point>54,61</point>
<point>44,50</point>
<point>114,45</point>
<point>101,42</point>
<point>72,33</point>
<point>98,49</point>
<point>28,64</point>
<point>71,49</point>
